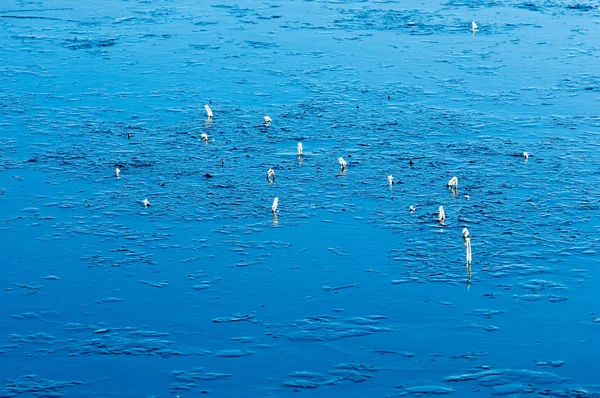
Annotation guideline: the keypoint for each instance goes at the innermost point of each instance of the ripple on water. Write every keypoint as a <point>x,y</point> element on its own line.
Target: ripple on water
<point>346,372</point>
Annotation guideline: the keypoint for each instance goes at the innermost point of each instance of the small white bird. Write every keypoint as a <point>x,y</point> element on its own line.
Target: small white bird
<point>442,214</point>
<point>275,203</point>
<point>146,202</point>
<point>467,242</point>
<point>467,197</point>
<point>271,175</point>
<point>525,156</point>
<point>465,233</point>
<point>474,26</point>
<point>299,149</point>
<point>208,111</point>
<point>204,137</point>
<point>342,163</point>
<point>412,209</point>
<point>453,183</point>
<point>267,119</point>
<point>117,171</point>
<point>390,180</point>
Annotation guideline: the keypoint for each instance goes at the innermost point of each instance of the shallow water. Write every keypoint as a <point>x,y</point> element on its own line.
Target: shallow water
<point>345,292</point>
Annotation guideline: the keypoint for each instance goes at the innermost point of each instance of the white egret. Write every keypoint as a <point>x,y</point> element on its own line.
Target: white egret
<point>467,241</point>
<point>209,112</point>
<point>441,214</point>
<point>453,183</point>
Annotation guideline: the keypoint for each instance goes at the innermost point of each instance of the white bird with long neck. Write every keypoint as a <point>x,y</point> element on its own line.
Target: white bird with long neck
<point>271,175</point>
<point>525,156</point>
<point>474,26</point>
<point>300,149</point>
<point>209,112</point>
<point>390,180</point>
<point>146,202</point>
<point>453,183</point>
<point>117,172</point>
<point>274,206</point>
<point>343,163</point>
<point>467,242</point>
<point>441,214</point>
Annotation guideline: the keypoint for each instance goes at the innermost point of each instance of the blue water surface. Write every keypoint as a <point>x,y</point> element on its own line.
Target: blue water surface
<point>343,292</point>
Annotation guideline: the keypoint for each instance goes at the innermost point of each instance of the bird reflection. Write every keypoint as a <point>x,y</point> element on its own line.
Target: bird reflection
<point>468,266</point>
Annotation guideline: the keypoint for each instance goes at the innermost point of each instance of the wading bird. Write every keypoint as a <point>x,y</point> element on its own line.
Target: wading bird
<point>467,242</point>
<point>208,111</point>
<point>453,183</point>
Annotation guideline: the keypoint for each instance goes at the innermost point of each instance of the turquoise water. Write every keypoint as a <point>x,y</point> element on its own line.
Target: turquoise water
<point>344,292</point>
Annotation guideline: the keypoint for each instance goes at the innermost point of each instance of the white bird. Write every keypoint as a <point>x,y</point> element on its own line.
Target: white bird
<point>390,180</point>
<point>275,203</point>
<point>204,137</point>
<point>453,183</point>
<point>342,163</point>
<point>442,214</point>
<point>525,156</point>
<point>465,233</point>
<point>117,171</point>
<point>467,197</point>
<point>271,175</point>
<point>208,111</point>
<point>299,149</point>
<point>146,202</point>
<point>412,209</point>
<point>474,26</point>
<point>467,241</point>
<point>267,119</point>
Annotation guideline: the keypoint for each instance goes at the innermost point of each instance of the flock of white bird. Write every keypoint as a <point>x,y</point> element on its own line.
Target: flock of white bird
<point>452,183</point>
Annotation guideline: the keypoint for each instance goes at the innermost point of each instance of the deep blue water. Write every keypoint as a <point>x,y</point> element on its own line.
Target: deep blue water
<point>344,292</point>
